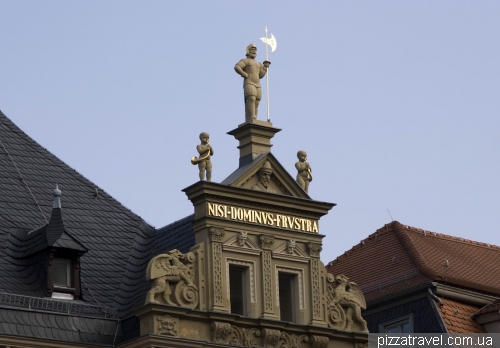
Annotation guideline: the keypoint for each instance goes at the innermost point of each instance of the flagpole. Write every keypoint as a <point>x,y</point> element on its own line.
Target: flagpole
<point>267,82</point>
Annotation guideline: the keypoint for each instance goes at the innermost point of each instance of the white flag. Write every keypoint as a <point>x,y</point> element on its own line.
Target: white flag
<point>270,41</point>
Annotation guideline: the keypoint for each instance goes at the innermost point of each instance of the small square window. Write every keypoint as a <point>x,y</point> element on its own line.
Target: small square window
<point>61,273</point>
<point>402,324</point>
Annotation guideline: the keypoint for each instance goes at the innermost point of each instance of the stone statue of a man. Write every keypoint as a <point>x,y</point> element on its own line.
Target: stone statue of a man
<point>304,172</point>
<point>252,71</point>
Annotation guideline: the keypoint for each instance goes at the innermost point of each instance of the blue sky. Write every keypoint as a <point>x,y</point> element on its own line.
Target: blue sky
<point>396,102</point>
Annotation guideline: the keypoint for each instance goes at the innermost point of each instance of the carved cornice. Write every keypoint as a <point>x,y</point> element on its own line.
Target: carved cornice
<point>226,333</point>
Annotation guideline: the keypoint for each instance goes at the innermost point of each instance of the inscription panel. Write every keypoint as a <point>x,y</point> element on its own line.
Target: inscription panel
<point>262,218</point>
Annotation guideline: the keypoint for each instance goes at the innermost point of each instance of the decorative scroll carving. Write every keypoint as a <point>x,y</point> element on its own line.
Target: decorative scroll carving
<point>221,331</point>
<point>314,249</point>
<point>172,271</point>
<point>242,237</point>
<point>319,341</point>
<point>268,281</point>
<point>290,246</point>
<point>245,337</point>
<point>293,341</point>
<point>167,325</point>
<point>345,302</point>
<point>226,333</point>
<point>271,338</point>
<point>316,291</point>
<point>217,268</point>
<point>216,234</point>
<point>229,334</point>
<point>266,241</point>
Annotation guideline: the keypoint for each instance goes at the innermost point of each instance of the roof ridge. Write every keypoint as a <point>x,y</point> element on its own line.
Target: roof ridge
<point>77,175</point>
<point>452,238</point>
<point>387,228</point>
<point>173,223</point>
<point>412,250</point>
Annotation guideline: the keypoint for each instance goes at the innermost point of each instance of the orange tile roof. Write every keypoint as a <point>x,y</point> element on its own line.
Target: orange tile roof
<point>397,249</point>
<point>458,317</point>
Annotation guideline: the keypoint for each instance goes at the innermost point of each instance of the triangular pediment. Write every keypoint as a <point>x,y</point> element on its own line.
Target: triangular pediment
<point>242,244</point>
<point>289,251</point>
<point>281,181</point>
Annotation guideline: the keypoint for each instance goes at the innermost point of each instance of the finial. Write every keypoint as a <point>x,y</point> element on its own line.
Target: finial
<point>57,197</point>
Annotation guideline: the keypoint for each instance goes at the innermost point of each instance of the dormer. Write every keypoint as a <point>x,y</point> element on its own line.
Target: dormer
<point>62,252</point>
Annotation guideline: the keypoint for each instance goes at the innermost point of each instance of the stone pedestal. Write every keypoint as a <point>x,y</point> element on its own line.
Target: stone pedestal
<point>255,139</point>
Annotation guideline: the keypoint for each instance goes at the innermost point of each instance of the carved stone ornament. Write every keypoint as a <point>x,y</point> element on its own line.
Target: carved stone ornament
<point>344,302</point>
<point>319,341</point>
<point>271,338</point>
<point>266,241</point>
<point>242,237</point>
<point>290,246</point>
<point>167,325</point>
<point>172,273</point>
<point>216,234</point>
<point>229,334</point>
<point>294,341</point>
<point>314,249</point>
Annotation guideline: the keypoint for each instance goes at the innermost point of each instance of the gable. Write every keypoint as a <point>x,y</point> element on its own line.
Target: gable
<point>281,181</point>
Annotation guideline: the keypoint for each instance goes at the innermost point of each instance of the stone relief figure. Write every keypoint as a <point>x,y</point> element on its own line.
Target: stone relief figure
<point>166,325</point>
<point>304,171</point>
<point>265,173</point>
<point>252,71</point>
<point>166,270</point>
<point>205,150</point>
<point>345,302</point>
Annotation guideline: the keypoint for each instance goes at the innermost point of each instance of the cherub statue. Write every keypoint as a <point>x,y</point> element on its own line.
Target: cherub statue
<point>304,171</point>
<point>349,296</point>
<point>205,150</point>
<point>168,268</point>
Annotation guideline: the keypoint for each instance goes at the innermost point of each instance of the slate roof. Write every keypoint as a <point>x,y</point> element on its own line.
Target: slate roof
<point>57,327</point>
<point>396,249</point>
<point>120,243</point>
